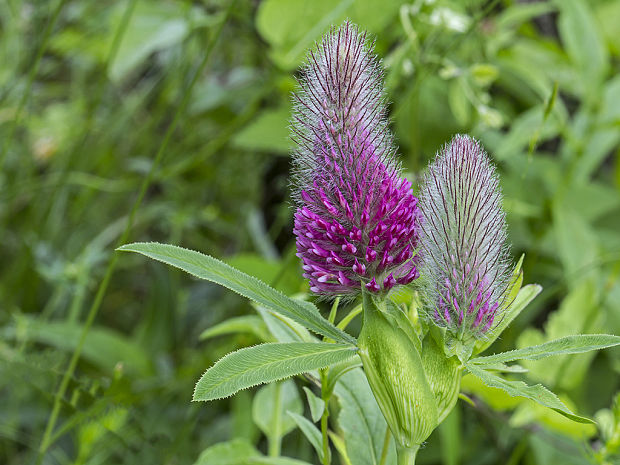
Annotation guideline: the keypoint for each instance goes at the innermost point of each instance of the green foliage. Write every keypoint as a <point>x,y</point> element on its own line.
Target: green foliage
<point>252,324</point>
<point>567,345</point>
<point>150,29</point>
<point>304,22</point>
<point>265,363</point>
<point>316,404</point>
<point>270,411</point>
<point>313,435</point>
<point>209,268</point>
<point>361,421</point>
<point>578,313</point>
<point>91,92</point>
<point>237,452</point>
<point>537,393</point>
<point>106,348</point>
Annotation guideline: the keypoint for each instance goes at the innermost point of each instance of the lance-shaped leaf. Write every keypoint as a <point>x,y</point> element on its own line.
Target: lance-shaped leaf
<point>566,345</point>
<point>312,434</point>
<point>317,405</point>
<point>265,363</point>
<point>248,324</point>
<point>537,393</point>
<point>361,422</point>
<point>206,267</point>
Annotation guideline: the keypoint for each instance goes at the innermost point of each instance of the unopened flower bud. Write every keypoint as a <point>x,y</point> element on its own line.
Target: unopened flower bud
<point>465,258</point>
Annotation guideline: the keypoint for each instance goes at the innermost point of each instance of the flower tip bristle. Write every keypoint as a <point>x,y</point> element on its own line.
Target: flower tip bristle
<point>355,221</point>
<point>464,254</point>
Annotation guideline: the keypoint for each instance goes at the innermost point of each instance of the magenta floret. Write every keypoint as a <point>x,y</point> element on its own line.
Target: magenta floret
<point>356,217</point>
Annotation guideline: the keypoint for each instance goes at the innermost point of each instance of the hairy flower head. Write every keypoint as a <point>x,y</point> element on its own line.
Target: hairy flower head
<point>465,258</point>
<point>356,217</point>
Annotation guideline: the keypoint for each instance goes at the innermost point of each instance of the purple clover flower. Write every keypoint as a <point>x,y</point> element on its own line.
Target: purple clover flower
<point>356,216</point>
<point>465,259</point>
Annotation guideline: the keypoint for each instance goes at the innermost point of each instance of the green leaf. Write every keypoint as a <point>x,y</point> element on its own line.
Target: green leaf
<point>460,105</point>
<point>579,313</point>
<point>502,367</point>
<point>242,425</point>
<point>265,363</point>
<point>599,135</point>
<point>153,26</point>
<point>361,421</point>
<point>293,27</point>
<point>607,14</point>
<point>206,267</point>
<point>523,298</point>
<point>582,39</point>
<point>520,13</point>
<point>227,453</point>
<point>571,228</point>
<point>284,329</point>
<point>270,406</point>
<point>238,452</point>
<point>105,348</point>
<point>251,324</point>
<point>268,132</point>
<point>312,434</point>
<point>483,73</point>
<point>566,345</point>
<point>337,370</point>
<point>497,399</point>
<point>538,392</point>
<point>317,405</point>
<point>272,461</point>
<point>340,446</point>
<point>529,412</point>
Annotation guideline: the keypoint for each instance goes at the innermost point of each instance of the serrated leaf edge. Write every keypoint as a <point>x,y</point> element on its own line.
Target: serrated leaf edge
<point>342,346</point>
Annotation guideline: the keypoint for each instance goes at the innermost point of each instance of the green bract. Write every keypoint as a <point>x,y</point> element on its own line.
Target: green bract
<point>395,373</point>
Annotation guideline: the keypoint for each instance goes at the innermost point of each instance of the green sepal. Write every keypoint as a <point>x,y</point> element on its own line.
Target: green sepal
<point>396,376</point>
<point>443,374</point>
<point>457,347</point>
<point>516,281</point>
<point>397,317</point>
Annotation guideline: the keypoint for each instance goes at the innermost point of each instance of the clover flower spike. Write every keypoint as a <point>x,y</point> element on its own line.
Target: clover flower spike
<point>355,221</point>
<point>464,256</point>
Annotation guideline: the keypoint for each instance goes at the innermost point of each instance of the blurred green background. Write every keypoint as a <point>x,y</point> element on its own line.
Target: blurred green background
<point>167,120</point>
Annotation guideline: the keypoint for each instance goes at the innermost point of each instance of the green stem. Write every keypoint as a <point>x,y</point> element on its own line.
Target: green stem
<point>347,319</point>
<point>326,392</point>
<point>325,395</point>
<point>406,455</point>
<point>334,310</point>
<point>386,446</point>
<point>275,439</point>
